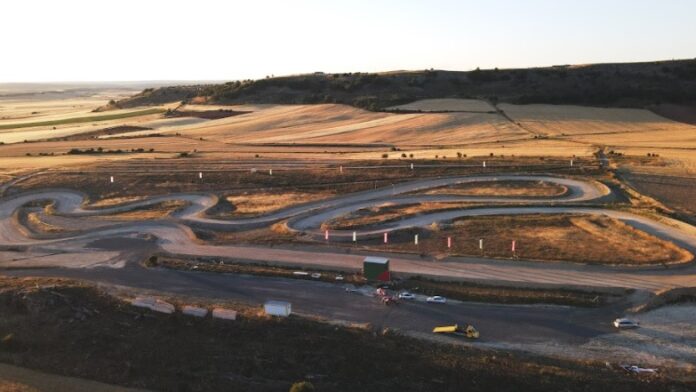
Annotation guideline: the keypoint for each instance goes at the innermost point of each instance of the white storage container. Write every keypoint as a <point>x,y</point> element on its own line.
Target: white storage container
<point>277,308</point>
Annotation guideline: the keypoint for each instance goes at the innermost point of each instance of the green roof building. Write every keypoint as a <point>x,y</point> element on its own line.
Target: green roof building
<point>376,269</point>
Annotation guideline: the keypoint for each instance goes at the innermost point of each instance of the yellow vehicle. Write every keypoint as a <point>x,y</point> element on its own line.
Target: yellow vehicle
<point>469,331</point>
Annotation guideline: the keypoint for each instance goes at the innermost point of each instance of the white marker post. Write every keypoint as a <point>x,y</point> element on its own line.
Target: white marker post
<point>415,239</point>
<point>513,246</point>
<point>449,242</point>
<point>340,169</point>
<point>386,238</point>
<point>111,179</point>
<point>270,172</point>
<point>355,236</point>
<point>481,244</point>
<point>412,166</point>
<point>484,163</point>
<point>200,175</point>
<point>326,235</point>
<point>571,163</point>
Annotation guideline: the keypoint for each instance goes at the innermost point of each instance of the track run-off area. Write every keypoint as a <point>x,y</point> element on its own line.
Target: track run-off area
<point>175,235</point>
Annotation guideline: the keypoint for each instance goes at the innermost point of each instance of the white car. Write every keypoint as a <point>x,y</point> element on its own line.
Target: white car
<point>407,295</point>
<point>624,323</point>
<point>436,299</point>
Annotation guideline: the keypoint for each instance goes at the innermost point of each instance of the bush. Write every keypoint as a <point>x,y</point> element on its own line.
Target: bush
<point>385,156</point>
<point>303,386</point>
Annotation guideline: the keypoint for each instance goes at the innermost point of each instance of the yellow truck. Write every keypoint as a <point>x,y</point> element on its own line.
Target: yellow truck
<point>469,331</point>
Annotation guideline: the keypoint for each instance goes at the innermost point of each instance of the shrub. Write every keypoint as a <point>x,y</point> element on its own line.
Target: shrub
<point>303,386</point>
<point>385,156</point>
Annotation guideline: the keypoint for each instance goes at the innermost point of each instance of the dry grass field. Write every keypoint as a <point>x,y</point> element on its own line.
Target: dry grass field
<point>367,217</point>
<point>329,131</point>
<point>678,193</point>
<point>256,203</point>
<point>502,188</point>
<point>521,148</point>
<point>151,176</point>
<point>331,123</point>
<point>560,120</point>
<point>575,238</point>
<point>27,115</point>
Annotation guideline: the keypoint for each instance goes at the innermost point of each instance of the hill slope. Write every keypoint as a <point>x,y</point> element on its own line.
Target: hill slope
<point>618,85</point>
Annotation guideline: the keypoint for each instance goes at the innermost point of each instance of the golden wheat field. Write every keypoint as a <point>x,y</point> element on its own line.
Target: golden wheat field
<point>560,120</point>
<point>333,123</point>
<point>323,131</point>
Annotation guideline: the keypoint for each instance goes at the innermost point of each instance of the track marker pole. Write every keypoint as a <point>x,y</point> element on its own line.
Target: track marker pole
<point>415,239</point>
<point>484,163</point>
<point>411,166</point>
<point>326,235</point>
<point>200,175</point>
<point>340,169</point>
<point>270,172</point>
<point>111,179</point>
<point>386,238</point>
<point>449,242</point>
<point>355,236</point>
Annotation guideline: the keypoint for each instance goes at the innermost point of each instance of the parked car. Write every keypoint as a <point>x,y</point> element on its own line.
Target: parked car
<point>624,323</point>
<point>407,295</point>
<point>637,369</point>
<point>436,299</point>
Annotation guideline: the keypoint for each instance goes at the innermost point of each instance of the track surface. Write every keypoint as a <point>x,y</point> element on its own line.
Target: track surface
<point>175,235</point>
<point>124,246</point>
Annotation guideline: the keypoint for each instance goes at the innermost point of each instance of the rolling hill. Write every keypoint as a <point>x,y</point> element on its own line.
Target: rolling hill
<point>637,85</point>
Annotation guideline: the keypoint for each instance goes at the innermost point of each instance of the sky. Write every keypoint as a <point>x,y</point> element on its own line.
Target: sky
<point>127,40</point>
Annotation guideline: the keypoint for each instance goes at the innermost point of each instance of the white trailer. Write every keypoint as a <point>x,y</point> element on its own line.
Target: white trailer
<point>277,308</point>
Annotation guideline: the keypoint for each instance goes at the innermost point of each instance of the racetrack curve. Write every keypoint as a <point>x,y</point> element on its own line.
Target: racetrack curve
<point>174,234</point>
